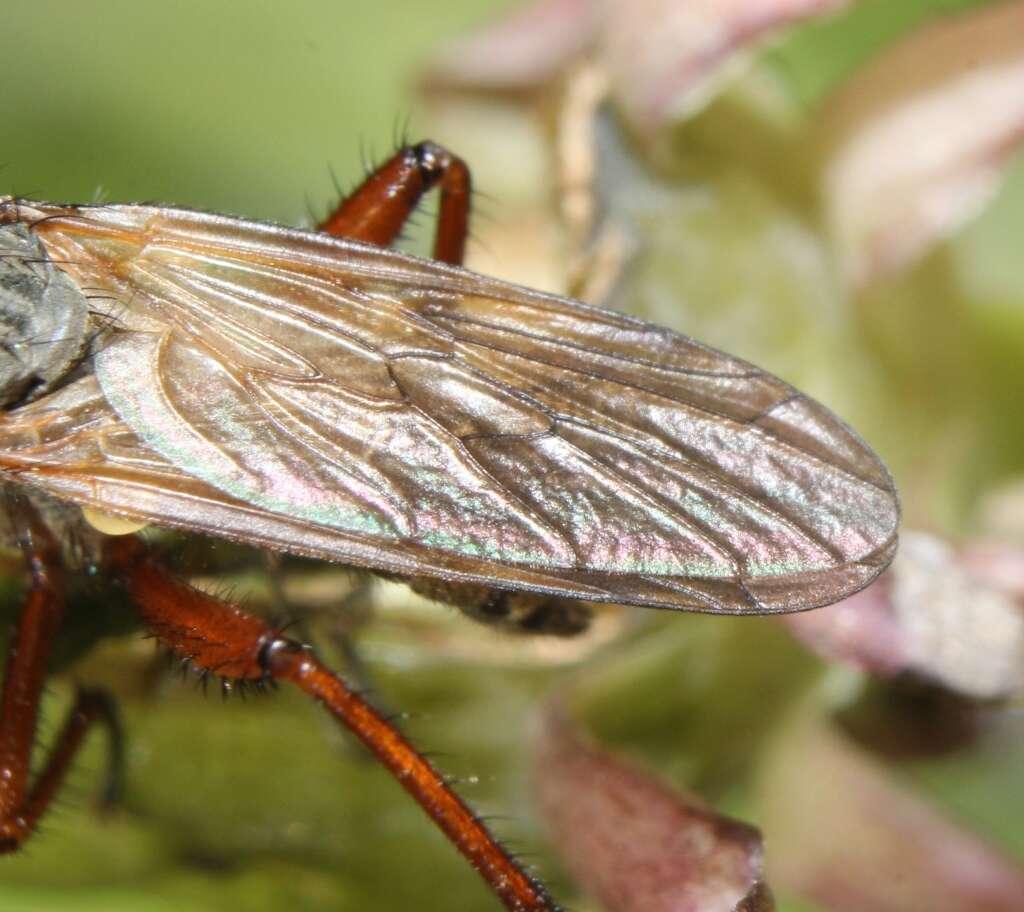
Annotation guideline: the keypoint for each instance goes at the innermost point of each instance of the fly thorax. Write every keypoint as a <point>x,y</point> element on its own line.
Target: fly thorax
<point>44,319</point>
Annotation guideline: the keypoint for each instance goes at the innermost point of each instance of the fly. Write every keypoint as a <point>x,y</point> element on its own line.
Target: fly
<point>510,451</point>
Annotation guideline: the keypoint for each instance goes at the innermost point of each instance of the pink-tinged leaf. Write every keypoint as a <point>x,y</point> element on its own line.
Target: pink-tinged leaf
<point>954,617</point>
<point>999,564</point>
<point>633,842</point>
<point>920,137</point>
<point>850,836</point>
<point>527,48</point>
<point>861,630</point>
<point>664,57</point>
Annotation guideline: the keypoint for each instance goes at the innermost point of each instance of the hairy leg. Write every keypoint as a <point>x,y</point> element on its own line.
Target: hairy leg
<point>220,638</point>
<point>376,211</point>
<point>23,802</point>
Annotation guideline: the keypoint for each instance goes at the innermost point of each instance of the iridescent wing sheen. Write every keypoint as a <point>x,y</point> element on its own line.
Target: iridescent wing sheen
<point>341,400</point>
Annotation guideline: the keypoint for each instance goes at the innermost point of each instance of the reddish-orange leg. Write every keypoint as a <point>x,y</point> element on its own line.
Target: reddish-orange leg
<point>379,208</point>
<point>221,639</point>
<point>27,657</point>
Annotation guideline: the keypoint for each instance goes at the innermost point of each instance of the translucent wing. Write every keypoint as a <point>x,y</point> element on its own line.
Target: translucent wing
<point>350,402</point>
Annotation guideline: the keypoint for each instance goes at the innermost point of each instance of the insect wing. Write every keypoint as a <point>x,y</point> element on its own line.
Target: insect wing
<point>339,399</point>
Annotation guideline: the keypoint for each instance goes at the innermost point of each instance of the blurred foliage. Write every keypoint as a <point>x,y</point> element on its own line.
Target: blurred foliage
<point>241,107</point>
<point>249,108</point>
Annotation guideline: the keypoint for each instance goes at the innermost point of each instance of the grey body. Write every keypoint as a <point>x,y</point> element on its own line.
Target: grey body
<point>43,319</point>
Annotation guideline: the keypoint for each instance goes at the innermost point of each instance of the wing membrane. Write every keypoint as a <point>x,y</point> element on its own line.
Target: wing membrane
<point>397,413</point>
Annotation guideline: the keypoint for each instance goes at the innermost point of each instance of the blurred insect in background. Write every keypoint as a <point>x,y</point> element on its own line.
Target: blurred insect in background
<point>504,450</point>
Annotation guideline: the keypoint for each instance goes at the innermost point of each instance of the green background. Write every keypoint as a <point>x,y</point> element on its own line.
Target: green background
<point>248,108</point>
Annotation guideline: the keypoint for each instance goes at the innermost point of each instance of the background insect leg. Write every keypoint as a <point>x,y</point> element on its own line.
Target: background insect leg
<point>222,639</point>
<point>28,654</point>
<point>379,207</point>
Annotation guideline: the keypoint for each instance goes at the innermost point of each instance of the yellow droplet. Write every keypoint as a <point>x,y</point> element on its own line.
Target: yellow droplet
<point>109,524</point>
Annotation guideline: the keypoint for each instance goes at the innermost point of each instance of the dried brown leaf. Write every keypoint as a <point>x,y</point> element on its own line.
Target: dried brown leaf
<point>634,842</point>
